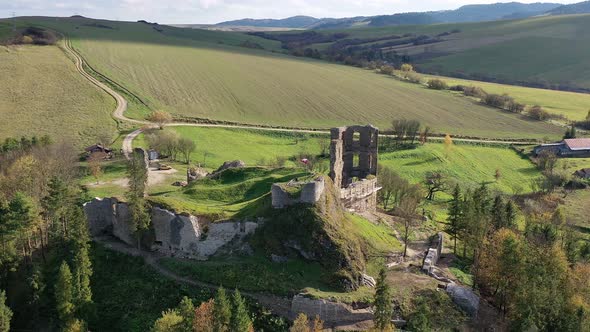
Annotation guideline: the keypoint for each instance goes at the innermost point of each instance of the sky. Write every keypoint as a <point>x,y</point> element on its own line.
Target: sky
<point>214,11</point>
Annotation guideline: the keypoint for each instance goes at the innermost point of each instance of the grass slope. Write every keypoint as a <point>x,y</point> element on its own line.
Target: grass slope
<point>42,93</point>
<point>211,80</point>
<point>465,164</point>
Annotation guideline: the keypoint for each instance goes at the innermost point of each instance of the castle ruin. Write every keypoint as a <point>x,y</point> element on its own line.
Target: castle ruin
<point>353,166</point>
<point>353,169</point>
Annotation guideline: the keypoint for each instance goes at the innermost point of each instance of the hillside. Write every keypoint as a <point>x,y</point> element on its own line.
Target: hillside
<point>547,52</point>
<point>468,13</point>
<point>41,93</point>
<point>291,22</point>
<point>577,8</point>
<point>211,80</point>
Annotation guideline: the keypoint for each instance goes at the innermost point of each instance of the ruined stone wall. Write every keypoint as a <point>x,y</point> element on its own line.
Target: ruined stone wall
<point>310,193</point>
<point>433,254</point>
<point>330,312</point>
<point>109,216</point>
<point>360,196</point>
<point>174,234</point>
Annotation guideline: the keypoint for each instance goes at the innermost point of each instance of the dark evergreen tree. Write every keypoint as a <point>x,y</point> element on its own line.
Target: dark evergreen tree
<point>382,302</point>
<point>221,311</point>
<point>510,217</point>
<point>5,313</point>
<point>186,309</point>
<point>240,320</point>
<point>64,293</point>
<point>454,220</point>
<point>498,213</point>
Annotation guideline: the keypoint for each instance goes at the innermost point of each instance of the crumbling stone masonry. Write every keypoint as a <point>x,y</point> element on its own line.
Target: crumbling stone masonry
<point>433,254</point>
<point>174,234</point>
<point>293,192</point>
<point>353,165</point>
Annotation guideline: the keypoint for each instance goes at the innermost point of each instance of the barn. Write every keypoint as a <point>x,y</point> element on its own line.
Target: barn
<point>568,148</point>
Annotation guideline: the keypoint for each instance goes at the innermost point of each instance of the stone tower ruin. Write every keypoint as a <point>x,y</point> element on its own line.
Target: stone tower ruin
<point>353,165</point>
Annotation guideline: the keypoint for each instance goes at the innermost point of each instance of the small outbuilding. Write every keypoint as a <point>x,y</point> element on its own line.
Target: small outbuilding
<point>99,149</point>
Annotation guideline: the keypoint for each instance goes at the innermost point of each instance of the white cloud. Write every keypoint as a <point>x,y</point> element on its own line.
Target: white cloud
<point>211,11</point>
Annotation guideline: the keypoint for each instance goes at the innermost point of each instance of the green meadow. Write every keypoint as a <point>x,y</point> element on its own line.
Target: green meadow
<point>465,164</point>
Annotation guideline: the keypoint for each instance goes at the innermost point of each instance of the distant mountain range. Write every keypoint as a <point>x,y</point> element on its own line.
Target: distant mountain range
<point>468,13</point>
<point>577,8</point>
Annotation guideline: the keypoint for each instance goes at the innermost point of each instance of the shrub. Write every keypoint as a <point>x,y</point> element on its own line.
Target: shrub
<point>437,84</point>
<point>538,113</point>
<point>460,88</point>
<point>414,78</point>
<point>474,91</point>
<point>498,101</point>
<point>515,107</point>
<point>387,70</point>
<point>406,67</point>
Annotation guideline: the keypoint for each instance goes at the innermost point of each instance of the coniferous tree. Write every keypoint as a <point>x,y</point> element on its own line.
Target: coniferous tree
<point>382,302</point>
<point>510,216</point>
<point>82,271</point>
<point>240,320</point>
<point>454,225</point>
<point>64,293</point>
<point>221,311</point>
<point>186,309</point>
<point>420,320</point>
<point>5,313</point>
<point>138,206</point>
<point>498,213</point>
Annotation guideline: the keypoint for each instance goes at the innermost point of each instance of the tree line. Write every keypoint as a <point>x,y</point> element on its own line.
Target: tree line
<point>531,272</point>
<point>44,239</point>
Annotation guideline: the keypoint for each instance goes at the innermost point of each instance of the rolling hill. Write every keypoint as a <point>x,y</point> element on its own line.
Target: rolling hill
<point>577,8</point>
<point>196,73</point>
<point>546,52</point>
<point>468,13</point>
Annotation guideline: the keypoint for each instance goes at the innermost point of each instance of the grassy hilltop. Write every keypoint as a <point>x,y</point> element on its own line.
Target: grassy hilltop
<point>203,74</point>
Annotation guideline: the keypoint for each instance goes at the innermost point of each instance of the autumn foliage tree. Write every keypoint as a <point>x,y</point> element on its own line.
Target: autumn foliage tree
<point>161,118</point>
<point>203,320</point>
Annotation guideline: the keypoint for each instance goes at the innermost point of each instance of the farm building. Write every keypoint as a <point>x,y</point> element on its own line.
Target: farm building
<point>98,148</point>
<point>575,147</point>
<point>583,173</point>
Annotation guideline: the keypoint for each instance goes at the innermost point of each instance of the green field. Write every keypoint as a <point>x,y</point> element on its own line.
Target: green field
<point>465,164</point>
<point>208,79</point>
<point>574,106</point>
<point>42,93</point>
